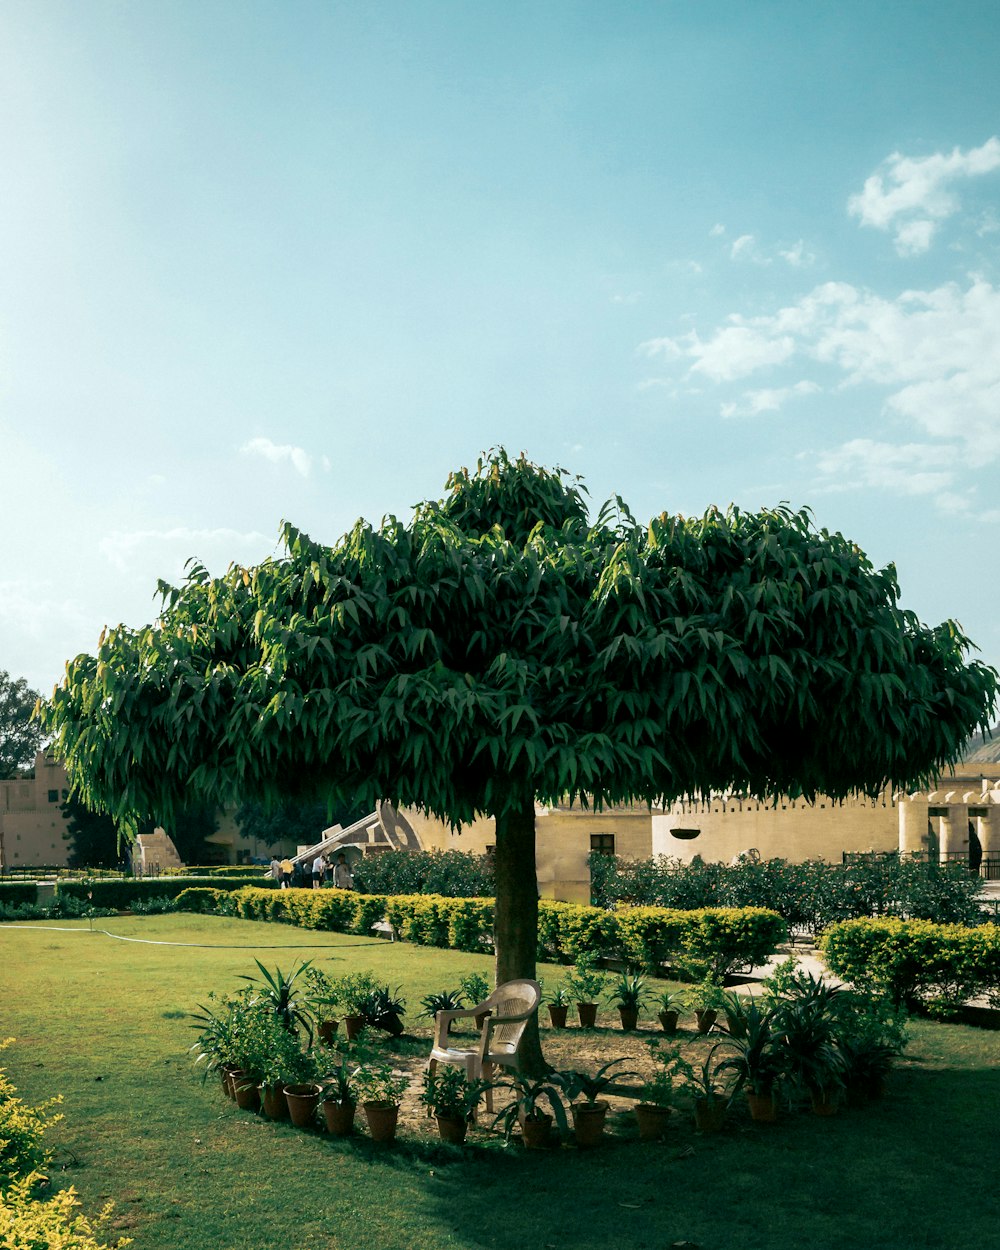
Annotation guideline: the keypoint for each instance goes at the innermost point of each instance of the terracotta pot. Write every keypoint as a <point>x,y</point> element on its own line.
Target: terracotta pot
<point>392,1025</point>
<point>272,1099</point>
<point>245,1093</point>
<point>668,1021</point>
<point>588,1122</point>
<point>302,1103</point>
<point>588,1015</point>
<point>630,1018</point>
<point>452,1128</point>
<point>327,1030</point>
<point>535,1132</point>
<point>652,1120</point>
<point>823,1102</point>
<point>353,1026</point>
<point>382,1118</point>
<point>226,1073</point>
<point>736,1025</point>
<point>763,1108</point>
<point>339,1118</point>
<point>705,1020</point>
<point>709,1117</point>
<point>557,1015</point>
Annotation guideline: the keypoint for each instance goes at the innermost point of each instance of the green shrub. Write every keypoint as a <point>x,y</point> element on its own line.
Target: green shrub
<point>122,894</point>
<point>567,930</point>
<point>452,874</point>
<point>916,962</point>
<point>17,893</point>
<point>22,1129</point>
<point>200,898</point>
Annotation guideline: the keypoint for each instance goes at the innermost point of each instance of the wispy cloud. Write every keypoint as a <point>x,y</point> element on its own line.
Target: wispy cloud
<point>279,453</point>
<point>769,399</point>
<point>124,548</point>
<point>796,255</point>
<point>912,195</point>
<point>901,469</point>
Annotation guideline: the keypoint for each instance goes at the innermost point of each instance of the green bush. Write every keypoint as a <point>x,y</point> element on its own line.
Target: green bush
<point>17,893</point>
<point>122,894</point>
<point>565,930</point>
<point>452,874</point>
<point>915,962</point>
<point>200,898</point>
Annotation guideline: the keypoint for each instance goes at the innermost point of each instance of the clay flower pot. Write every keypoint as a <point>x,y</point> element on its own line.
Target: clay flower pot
<point>245,1093</point>
<point>652,1120</point>
<point>302,1103</point>
<point>706,1019</point>
<point>272,1099</point>
<point>226,1073</point>
<point>824,1102</point>
<point>327,1030</point>
<point>452,1128</point>
<point>763,1108</point>
<point>630,1018</point>
<point>709,1117</point>
<point>353,1026</point>
<point>339,1118</point>
<point>557,1015</point>
<point>588,1015</point>
<point>668,1021</point>
<point>588,1122</point>
<point>535,1131</point>
<point>382,1119</point>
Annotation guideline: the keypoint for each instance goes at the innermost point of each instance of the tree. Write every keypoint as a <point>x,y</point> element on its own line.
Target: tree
<point>501,648</point>
<point>298,822</point>
<point>20,733</point>
<point>96,842</point>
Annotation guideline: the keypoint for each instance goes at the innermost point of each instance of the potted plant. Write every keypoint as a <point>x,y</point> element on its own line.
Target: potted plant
<point>671,1003</point>
<point>586,985</point>
<point>629,993</point>
<point>337,1097</point>
<point>707,999</point>
<point>657,1094</point>
<point>355,989</point>
<point>477,989</point>
<point>383,1008</point>
<point>711,1092</point>
<point>453,1098</point>
<point>280,994</point>
<point>380,1090</point>
<point>734,1007</point>
<point>589,1116</point>
<point>805,1033</point>
<point>214,1050</point>
<point>758,1062</point>
<point>443,1000</point>
<point>525,1109</point>
<point>322,998</point>
<point>558,1002</point>
<point>869,1039</point>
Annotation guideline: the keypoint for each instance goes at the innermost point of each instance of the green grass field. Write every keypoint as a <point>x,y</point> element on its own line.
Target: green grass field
<point>103,1023</point>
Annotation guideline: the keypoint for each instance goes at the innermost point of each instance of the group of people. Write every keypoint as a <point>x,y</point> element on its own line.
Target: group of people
<point>322,870</point>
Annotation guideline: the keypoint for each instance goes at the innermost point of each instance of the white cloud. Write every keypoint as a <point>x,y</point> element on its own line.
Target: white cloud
<point>770,399</point>
<point>277,453</point>
<point>901,469</point>
<point>911,195</point>
<point>796,255</point>
<point>160,548</point>
<point>716,230</point>
<point>745,248</point>
<point>935,353</point>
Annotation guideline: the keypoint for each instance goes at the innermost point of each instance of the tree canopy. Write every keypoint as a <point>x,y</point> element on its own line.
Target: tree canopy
<point>20,734</point>
<point>500,648</point>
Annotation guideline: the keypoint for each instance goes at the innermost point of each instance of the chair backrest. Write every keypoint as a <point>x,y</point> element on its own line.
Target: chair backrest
<point>512,1006</point>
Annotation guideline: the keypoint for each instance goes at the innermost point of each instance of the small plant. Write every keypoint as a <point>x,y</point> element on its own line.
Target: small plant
<point>592,1087</point>
<point>337,1080</point>
<point>323,992</point>
<point>277,991</point>
<point>354,989</point>
<point>707,995</point>
<point>383,1008</point>
<point>476,988</point>
<point>758,1063</point>
<point>559,997</point>
<point>669,1065</point>
<point>586,981</point>
<point>450,1094</point>
<point>528,1094</point>
<point>443,1000</point>
<point>671,1000</point>
<point>629,991</point>
<point>380,1082</point>
<point>705,1082</point>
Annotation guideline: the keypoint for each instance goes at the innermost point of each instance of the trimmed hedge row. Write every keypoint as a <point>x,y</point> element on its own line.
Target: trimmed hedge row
<point>708,940</point>
<point>16,893</point>
<point>919,964</point>
<point>123,893</point>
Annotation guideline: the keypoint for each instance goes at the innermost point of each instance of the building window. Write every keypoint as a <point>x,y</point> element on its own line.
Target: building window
<point>53,796</point>
<point>603,843</point>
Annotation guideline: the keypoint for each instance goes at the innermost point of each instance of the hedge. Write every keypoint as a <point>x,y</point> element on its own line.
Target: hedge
<point>919,964</point>
<point>123,893</point>
<point>716,940</point>
<point>16,893</point>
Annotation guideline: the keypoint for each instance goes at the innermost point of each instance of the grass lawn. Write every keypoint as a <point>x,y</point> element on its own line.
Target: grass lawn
<point>102,1022</point>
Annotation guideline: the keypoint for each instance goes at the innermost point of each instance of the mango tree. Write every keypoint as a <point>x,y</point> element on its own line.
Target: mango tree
<point>501,649</point>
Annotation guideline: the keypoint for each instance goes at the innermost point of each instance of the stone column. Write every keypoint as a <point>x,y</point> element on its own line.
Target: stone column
<point>955,831</point>
<point>912,810</point>
<point>988,832</point>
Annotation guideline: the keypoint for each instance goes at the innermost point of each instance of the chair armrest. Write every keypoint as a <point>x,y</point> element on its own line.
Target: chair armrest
<point>442,1019</point>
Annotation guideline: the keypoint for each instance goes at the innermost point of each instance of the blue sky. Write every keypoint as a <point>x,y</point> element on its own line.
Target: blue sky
<point>292,260</point>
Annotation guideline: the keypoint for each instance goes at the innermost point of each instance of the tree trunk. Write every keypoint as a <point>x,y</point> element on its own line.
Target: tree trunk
<point>516,926</point>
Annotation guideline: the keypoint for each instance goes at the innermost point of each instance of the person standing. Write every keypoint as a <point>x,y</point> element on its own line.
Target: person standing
<point>286,872</point>
<point>276,869</point>
<point>319,867</point>
<point>342,877</point>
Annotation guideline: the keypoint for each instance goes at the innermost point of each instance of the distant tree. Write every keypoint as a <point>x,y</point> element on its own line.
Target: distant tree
<point>20,734</point>
<point>291,820</point>
<point>501,649</point>
<point>95,842</point>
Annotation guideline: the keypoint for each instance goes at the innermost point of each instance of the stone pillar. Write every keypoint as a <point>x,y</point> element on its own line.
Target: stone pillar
<point>955,832</point>
<point>988,832</point>
<point>912,810</point>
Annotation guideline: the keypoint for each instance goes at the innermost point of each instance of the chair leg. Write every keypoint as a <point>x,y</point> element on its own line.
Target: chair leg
<point>488,1076</point>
